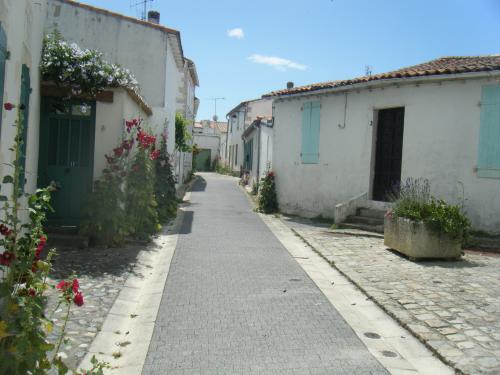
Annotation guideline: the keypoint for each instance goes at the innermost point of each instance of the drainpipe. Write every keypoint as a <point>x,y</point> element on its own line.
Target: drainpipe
<point>227,137</point>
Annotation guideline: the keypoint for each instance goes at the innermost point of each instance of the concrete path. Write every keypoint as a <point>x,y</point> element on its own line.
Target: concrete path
<point>236,302</point>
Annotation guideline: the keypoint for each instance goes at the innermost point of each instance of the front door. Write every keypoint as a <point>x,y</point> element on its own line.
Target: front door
<point>66,157</point>
<point>388,153</point>
<point>202,160</point>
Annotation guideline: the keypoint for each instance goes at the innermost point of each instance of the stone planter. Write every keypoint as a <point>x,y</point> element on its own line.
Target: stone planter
<point>416,241</point>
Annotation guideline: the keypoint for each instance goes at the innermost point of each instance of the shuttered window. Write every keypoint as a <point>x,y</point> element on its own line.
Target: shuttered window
<point>248,147</point>
<point>24,101</point>
<point>310,132</point>
<point>489,134</point>
<point>3,57</point>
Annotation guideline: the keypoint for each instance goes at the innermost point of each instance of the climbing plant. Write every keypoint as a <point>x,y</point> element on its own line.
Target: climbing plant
<point>182,136</point>
<point>165,192</point>
<point>267,199</point>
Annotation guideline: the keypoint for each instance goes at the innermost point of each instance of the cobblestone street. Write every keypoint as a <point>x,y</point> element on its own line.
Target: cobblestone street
<point>454,307</point>
<point>102,273</point>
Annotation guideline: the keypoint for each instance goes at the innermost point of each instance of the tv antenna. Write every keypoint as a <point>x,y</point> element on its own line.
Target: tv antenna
<point>142,7</point>
<point>215,118</point>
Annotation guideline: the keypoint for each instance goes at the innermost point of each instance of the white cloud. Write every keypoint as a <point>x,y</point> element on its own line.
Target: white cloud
<point>276,62</point>
<point>236,33</point>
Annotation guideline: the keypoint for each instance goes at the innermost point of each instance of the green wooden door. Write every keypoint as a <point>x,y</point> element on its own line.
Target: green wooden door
<point>67,157</point>
<point>200,160</point>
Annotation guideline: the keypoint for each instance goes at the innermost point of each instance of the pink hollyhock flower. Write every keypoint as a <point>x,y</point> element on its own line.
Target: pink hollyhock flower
<point>32,292</point>
<point>76,285</point>
<point>78,299</point>
<point>9,106</point>
<point>6,258</point>
<point>4,230</point>
<point>154,155</point>
<point>118,151</point>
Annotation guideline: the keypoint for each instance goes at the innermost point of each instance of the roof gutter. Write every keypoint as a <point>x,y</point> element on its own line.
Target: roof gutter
<point>389,82</point>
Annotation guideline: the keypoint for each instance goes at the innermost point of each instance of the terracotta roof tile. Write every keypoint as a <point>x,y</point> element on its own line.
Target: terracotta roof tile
<point>441,66</point>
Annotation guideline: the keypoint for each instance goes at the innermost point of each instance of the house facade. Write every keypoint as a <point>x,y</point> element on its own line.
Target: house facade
<point>239,119</point>
<point>258,149</point>
<point>67,145</point>
<point>350,143</point>
<point>209,138</point>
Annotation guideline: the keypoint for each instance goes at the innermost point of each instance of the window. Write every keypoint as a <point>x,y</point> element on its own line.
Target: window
<point>310,132</point>
<point>3,57</point>
<point>488,165</point>
<point>25,102</point>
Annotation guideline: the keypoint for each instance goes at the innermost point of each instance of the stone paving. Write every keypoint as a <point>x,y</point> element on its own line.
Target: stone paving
<point>453,307</point>
<point>102,273</point>
<point>236,302</point>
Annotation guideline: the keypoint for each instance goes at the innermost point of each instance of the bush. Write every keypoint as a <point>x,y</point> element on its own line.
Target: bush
<point>165,192</point>
<point>416,203</point>
<point>267,200</point>
<point>140,201</point>
<point>224,169</point>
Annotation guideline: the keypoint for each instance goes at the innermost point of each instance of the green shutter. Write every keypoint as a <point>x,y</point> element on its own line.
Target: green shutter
<point>3,57</point>
<point>310,132</point>
<point>489,133</point>
<point>24,101</point>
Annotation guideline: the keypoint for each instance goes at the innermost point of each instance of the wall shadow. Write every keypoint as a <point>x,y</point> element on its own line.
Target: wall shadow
<point>200,184</point>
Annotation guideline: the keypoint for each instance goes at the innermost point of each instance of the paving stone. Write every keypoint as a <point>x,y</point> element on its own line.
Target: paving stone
<point>236,302</point>
<point>455,302</point>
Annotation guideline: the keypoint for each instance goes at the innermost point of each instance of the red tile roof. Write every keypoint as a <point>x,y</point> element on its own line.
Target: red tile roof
<point>441,66</point>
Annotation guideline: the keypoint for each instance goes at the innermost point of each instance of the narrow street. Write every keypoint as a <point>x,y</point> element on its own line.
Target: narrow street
<point>236,302</point>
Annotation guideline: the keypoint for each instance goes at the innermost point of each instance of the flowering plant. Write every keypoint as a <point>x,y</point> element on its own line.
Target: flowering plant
<point>83,70</point>
<point>24,269</point>
<point>267,200</point>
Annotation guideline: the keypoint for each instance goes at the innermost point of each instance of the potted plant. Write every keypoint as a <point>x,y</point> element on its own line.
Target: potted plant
<point>421,226</point>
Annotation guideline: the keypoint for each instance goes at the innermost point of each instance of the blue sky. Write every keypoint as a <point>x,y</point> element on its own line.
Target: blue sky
<point>308,41</point>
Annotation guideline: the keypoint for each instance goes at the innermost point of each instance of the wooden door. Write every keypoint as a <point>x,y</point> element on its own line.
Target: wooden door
<point>388,153</point>
<point>66,157</point>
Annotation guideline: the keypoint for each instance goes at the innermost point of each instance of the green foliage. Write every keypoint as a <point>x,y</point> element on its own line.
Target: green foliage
<point>105,220</point>
<point>182,136</point>
<point>165,185</point>
<point>255,188</point>
<point>416,203</point>
<point>267,201</point>
<point>224,169</point>
<point>84,71</point>
<point>140,201</point>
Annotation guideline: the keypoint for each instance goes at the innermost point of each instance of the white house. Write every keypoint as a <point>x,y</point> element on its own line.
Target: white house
<point>239,119</point>
<point>344,144</point>
<point>21,30</point>
<point>187,105</point>
<point>258,149</point>
<point>158,66</point>
<point>209,137</point>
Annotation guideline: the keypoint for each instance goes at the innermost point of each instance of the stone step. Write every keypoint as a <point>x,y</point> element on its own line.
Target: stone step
<point>354,219</point>
<point>370,212</point>
<point>62,240</point>
<point>365,227</point>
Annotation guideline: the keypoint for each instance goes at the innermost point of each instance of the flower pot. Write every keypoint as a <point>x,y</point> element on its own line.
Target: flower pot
<point>416,241</point>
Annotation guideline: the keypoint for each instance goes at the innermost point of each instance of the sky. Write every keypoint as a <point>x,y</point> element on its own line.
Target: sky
<point>244,49</point>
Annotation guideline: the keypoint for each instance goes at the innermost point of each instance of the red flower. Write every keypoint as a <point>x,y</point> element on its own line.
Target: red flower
<point>40,247</point>
<point>145,140</point>
<point>154,155</point>
<point>4,230</point>
<point>127,145</point>
<point>130,124</point>
<point>6,258</point>
<point>76,285</point>
<point>32,292</point>
<point>63,285</point>
<point>9,106</point>
<point>118,151</point>
<point>78,299</point>
<point>270,174</point>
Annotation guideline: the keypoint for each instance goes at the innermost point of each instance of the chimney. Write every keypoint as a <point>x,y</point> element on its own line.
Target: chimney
<point>154,17</point>
<point>289,85</point>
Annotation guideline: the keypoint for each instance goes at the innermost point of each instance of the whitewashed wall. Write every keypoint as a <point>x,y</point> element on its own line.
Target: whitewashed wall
<point>23,22</point>
<point>144,50</point>
<point>441,130</point>
<point>110,125</point>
